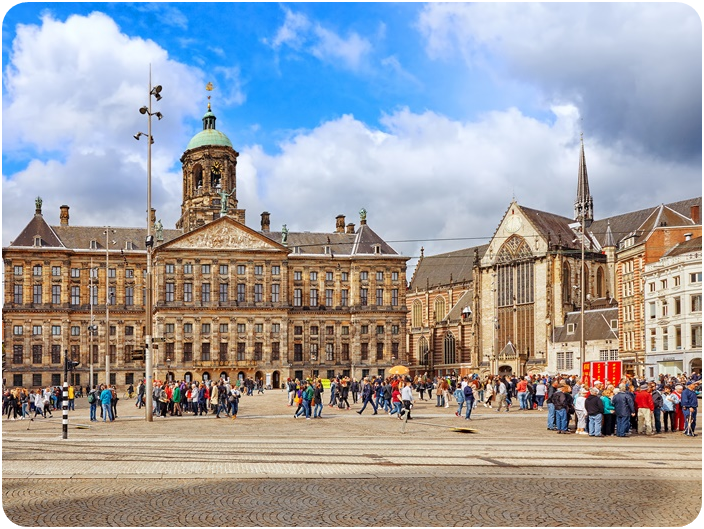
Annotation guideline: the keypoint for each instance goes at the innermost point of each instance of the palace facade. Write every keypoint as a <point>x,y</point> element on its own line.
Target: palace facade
<point>229,300</point>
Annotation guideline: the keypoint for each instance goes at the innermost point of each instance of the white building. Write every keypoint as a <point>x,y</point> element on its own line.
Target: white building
<point>600,339</point>
<point>673,311</point>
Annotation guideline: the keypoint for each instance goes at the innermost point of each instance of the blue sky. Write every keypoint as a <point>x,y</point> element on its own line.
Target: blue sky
<point>430,116</point>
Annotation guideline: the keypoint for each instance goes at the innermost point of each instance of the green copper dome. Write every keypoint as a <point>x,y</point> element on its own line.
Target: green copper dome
<point>209,135</point>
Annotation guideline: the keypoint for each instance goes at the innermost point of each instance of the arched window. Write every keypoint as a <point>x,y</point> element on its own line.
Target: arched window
<point>417,316</point>
<point>440,310</point>
<point>197,176</point>
<point>449,349</point>
<point>600,283</point>
<point>423,357</point>
<point>566,283</point>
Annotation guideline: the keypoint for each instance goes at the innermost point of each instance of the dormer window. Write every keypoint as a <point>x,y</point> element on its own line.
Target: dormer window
<point>93,244</point>
<point>327,250</point>
<point>377,248</point>
<point>129,245</point>
<point>570,328</point>
<point>37,240</point>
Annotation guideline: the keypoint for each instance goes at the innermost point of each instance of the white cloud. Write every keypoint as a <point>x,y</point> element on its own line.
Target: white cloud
<point>633,69</point>
<point>292,32</point>
<point>302,35</point>
<point>330,47</point>
<point>73,90</point>
<point>425,176</point>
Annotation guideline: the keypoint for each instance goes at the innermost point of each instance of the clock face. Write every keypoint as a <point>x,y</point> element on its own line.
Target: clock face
<point>513,224</point>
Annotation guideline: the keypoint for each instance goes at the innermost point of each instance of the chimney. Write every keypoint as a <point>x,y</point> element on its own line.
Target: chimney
<point>350,228</point>
<point>64,215</point>
<point>694,214</point>
<point>687,236</point>
<point>340,224</point>
<point>265,221</point>
<point>152,219</point>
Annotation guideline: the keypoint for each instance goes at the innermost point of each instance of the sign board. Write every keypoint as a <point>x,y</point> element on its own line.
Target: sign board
<point>325,382</point>
<point>614,371</point>
<point>606,372</point>
<point>598,371</point>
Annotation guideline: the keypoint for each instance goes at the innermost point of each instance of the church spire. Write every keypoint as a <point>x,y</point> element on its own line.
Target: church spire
<point>583,205</point>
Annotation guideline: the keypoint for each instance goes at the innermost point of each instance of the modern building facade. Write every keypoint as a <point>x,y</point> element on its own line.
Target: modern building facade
<point>229,300</point>
<point>673,310</point>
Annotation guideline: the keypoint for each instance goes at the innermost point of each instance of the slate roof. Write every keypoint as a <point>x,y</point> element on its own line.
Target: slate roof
<point>437,270</point>
<point>692,245</point>
<point>597,326</point>
<point>37,226</point>
<point>362,242</point>
<point>554,227</point>
<point>464,301</point>
<point>623,225</point>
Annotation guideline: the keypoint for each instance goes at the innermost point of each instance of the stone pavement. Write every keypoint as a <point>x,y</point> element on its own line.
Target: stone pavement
<point>267,469</point>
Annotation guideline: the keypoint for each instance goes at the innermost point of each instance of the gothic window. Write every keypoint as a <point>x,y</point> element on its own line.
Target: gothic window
<point>600,282</point>
<point>440,310</point>
<point>449,349</point>
<point>417,316</point>
<point>566,283</point>
<point>423,357</point>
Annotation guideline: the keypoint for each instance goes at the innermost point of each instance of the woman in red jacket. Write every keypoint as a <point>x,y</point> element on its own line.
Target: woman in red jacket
<point>679,414</point>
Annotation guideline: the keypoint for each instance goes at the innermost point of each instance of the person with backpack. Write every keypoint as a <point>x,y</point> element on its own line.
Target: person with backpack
<point>459,397</point>
<point>93,397</point>
<point>468,393</point>
<point>318,400</point>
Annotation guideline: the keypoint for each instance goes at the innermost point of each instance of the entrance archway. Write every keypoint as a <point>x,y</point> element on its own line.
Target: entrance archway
<point>505,370</point>
<point>276,380</point>
<point>695,366</point>
<point>206,376</point>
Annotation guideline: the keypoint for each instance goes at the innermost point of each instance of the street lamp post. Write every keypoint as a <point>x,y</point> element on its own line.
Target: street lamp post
<point>149,243</point>
<point>107,233</point>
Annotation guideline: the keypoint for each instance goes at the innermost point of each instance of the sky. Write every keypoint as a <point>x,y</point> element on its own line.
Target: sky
<point>432,117</point>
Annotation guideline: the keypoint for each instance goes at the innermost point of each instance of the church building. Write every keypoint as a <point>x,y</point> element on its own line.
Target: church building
<point>497,308</point>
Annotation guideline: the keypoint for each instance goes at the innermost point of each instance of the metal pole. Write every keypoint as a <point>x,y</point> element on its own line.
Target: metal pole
<point>90,330</point>
<point>107,307</point>
<point>148,338</point>
<point>581,305</point>
<point>64,404</point>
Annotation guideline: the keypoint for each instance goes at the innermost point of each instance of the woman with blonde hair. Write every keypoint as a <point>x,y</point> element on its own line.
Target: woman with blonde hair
<point>580,411</point>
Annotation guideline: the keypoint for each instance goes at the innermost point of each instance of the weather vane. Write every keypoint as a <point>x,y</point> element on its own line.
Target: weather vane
<point>209,88</point>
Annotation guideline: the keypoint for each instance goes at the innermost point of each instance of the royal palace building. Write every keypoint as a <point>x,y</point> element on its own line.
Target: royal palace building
<point>229,300</point>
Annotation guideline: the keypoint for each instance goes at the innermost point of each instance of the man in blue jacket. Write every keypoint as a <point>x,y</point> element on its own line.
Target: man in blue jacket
<point>624,409</point>
<point>689,407</point>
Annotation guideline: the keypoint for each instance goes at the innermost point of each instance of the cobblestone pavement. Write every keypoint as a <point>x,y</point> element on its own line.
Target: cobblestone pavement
<point>267,469</point>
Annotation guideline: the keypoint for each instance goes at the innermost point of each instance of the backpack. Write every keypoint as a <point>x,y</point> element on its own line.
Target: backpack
<point>468,393</point>
<point>91,398</point>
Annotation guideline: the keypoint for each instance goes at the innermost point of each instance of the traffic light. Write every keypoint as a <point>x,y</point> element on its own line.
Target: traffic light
<point>71,364</point>
<point>138,355</point>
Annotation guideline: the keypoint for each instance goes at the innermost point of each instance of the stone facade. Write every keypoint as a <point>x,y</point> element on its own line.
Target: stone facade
<point>228,300</point>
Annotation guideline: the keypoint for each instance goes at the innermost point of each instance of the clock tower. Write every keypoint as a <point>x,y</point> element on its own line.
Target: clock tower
<point>209,178</point>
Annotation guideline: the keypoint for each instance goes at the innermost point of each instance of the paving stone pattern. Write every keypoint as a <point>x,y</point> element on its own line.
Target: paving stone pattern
<point>267,469</point>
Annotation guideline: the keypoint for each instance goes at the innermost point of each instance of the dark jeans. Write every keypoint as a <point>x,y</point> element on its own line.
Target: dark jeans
<point>623,424</point>
<point>668,416</point>
<point>607,427</point>
<point>368,401</point>
<point>656,414</point>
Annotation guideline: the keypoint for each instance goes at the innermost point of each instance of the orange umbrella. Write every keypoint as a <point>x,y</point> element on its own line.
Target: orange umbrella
<point>399,370</point>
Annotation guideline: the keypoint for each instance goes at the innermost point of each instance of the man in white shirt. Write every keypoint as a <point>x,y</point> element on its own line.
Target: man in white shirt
<point>407,400</point>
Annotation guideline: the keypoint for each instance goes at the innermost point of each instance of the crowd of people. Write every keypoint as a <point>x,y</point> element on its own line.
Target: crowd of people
<point>634,405</point>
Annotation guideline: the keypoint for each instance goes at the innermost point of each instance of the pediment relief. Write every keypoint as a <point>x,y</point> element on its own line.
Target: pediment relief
<point>224,236</point>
